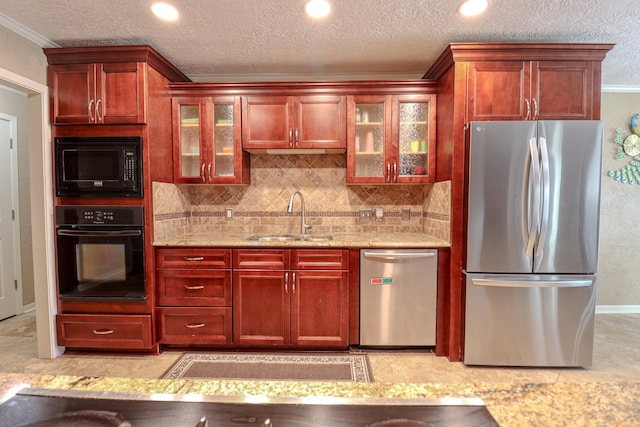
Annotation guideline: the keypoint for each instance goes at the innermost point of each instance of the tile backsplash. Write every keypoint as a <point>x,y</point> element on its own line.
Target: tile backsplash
<point>331,206</point>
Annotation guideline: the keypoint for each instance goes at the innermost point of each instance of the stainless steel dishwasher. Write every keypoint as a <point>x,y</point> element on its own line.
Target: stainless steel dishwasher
<point>398,297</point>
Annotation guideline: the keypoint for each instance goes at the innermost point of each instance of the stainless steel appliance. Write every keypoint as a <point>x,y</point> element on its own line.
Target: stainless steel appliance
<point>57,408</point>
<point>398,297</point>
<point>100,252</point>
<point>98,166</point>
<point>532,242</point>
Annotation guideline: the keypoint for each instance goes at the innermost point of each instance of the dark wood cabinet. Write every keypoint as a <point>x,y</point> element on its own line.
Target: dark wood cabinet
<point>98,93</point>
<point>105,332</point>
<point>207,141</point>
<point>194,296</point>
<point>291,297</point>
<point>294,122</point>
<point>531,90</point>
<point>391,139</point>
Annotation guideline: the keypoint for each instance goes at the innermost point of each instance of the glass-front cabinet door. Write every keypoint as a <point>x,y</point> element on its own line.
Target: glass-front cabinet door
<point>207,147</point>
<point>414,127</point>
<point>188,134</point>
<point>368,133</point>
<point>390,139</point>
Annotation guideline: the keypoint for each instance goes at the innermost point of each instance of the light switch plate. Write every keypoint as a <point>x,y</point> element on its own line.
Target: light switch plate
<point>406,214</point>
<point>229,214</point>
<point>366,214</point>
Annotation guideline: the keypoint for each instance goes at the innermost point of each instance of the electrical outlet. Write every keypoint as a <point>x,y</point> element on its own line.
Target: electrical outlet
<point>366,214</point>
<point>406,214</point>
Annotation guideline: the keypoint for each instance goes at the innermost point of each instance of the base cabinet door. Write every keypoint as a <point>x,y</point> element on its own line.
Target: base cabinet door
<point>261,308</point>
<point>101,331</point>
<point>302,304</point>
<point>319,308</point>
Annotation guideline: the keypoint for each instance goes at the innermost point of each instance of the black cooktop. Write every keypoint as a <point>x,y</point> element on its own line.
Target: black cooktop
<point>57,408</point>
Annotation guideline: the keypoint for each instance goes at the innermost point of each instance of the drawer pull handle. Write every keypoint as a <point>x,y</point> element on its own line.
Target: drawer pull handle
<point>102,331</point>
<point>194,258</point>
<point>194,325</point>
<point>194,288</point>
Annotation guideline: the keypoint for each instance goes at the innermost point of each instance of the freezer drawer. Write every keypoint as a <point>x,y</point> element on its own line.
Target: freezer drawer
<point>532,320</point>
<point>398,297</point>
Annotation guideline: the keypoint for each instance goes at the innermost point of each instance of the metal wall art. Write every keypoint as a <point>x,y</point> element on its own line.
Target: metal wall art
<point>628,146</point>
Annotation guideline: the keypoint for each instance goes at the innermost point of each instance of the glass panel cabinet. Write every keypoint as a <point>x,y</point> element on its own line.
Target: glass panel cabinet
<point>207,148</point>
<point>390,139</point>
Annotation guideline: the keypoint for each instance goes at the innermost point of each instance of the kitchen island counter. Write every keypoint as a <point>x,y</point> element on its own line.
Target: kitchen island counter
<point>338,240</point>
<point>575,404</point>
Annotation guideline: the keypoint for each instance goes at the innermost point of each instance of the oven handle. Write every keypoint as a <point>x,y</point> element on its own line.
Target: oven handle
<point>119,233</point>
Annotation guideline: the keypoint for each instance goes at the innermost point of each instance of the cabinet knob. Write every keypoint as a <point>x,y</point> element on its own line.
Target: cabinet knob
<point>290,136</point>
<point>286,283</point>
<point>526,116</point>
<point>535,109</point>
<point>193,258</point>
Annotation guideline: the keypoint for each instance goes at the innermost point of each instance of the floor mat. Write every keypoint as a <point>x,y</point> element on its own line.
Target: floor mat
<point>272,366</point>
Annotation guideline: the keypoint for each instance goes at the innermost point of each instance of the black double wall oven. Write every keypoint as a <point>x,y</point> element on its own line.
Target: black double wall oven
<point>100,246</point>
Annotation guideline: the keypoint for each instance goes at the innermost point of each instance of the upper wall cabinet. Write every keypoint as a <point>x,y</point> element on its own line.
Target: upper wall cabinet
<point>112,93</point>
<point>206,141</point>
<point>104,85</point>
<point>525,81</point>
<point>530,90</point>
<point>294,122</point>
<point>391,139</point>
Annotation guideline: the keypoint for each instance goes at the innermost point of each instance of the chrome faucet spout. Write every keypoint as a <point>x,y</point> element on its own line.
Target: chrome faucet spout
<point>303,225</point>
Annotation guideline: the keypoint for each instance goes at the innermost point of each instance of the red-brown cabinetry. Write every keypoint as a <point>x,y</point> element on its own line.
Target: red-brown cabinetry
<point>291,297</point>
<point>391,139</point>
<point>207,141</point>
<point>98,93</point>
<point>531,90</point>
<point>194,295</point>
<point>294,122</point>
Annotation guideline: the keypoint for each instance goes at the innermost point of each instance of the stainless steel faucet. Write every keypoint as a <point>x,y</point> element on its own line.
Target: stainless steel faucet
<point>303,225</point>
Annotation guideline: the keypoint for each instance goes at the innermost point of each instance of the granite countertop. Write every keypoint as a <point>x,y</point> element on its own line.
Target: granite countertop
<point>557,404</point>
<point>339,240</point>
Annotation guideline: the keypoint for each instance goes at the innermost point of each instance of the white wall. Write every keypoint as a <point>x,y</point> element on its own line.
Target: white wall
<point>15,103</point>
<point>619,269</point>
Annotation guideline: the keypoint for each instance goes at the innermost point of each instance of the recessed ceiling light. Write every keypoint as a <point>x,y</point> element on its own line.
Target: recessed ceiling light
<point>165,11</point>
<point>473,7</point>
<point>317,8</point>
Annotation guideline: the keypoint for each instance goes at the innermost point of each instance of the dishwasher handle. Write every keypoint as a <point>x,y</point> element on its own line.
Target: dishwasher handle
<point>398,255</point>
<point>533,283</point>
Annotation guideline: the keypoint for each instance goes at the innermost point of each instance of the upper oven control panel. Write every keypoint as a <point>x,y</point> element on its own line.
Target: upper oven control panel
<point>68,215</point>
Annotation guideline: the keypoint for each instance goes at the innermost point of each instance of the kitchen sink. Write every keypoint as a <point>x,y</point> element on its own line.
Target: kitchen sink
<point>289,238</point>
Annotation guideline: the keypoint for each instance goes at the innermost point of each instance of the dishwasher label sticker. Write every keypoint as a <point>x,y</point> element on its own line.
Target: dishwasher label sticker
<point>382,281</point>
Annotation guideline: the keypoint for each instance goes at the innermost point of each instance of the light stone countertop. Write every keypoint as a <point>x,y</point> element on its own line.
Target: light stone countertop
<point>558,404</point>
<point>339,240</point>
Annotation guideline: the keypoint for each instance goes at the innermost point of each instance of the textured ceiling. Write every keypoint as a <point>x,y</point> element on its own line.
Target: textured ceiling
<point>243,40</point>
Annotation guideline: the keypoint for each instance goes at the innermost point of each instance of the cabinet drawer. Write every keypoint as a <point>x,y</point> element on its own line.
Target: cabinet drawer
<point>193,258</point>
<point>180,325</point>
<point>313,259</point>
<point>264,259</point>
<point>194,287</point>
<point>104,331</point>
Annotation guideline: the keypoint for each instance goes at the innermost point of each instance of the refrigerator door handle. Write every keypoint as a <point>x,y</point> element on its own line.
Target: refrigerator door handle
<point>533,283</point>
<point>398,255</point>
<point>532,206</point>
<point>544,207</point>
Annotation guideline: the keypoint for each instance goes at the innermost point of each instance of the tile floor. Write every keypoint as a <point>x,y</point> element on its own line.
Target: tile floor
<point>616,358</point>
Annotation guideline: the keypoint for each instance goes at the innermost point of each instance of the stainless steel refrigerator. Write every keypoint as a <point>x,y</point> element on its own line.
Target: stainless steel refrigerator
<point>532,242</point>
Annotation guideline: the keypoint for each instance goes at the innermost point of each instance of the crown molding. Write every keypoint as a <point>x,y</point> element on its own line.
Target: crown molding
<point>303,77</point>
<point>25,32</point>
